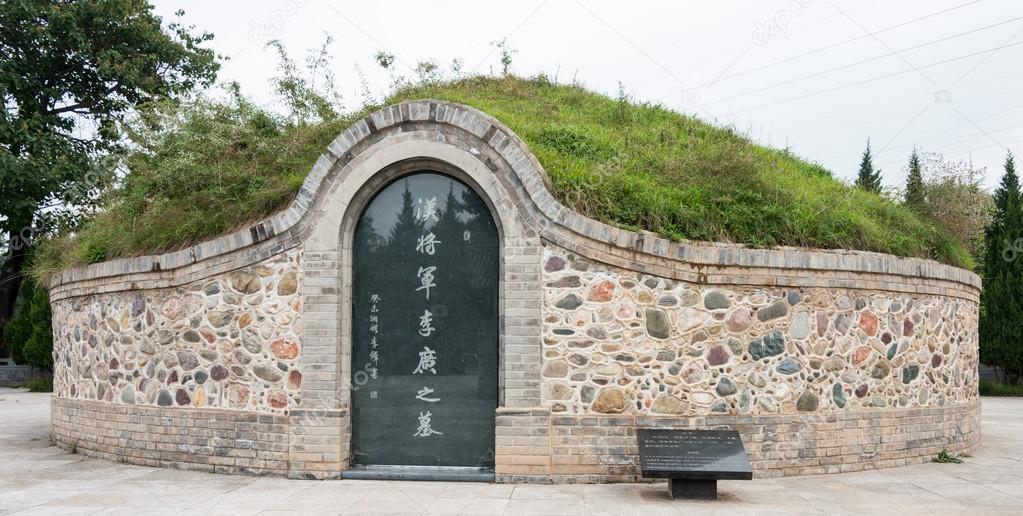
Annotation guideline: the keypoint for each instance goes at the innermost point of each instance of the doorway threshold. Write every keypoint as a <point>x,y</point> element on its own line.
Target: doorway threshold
<point>432,473</point>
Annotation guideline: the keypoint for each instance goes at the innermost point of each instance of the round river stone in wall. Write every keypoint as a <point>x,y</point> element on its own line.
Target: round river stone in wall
<point>767,346</point>
<point>717,355</point>
<point>773,311</point>
<point>716,300</point>
<point>569,302</point>
<point>601,292</point>
<point>554,264</point>
<point>807,402</point>
<point>668,404</point>
<point>657,324</point>
<point>610,401</point>
<point>725,387</point>
<point>288,284</point>
<point>245,282</point>
<point>739,320</point>
<point>800,326</point>
<point>556,369</point>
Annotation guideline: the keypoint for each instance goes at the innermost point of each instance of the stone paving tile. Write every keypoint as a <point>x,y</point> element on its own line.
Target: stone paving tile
<point>38,478</point>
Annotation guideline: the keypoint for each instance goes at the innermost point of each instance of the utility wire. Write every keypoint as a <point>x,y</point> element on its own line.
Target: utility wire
<point>850,40</point>
<point>862,61</point>
<point>831,46</point>
<point>872,79</point>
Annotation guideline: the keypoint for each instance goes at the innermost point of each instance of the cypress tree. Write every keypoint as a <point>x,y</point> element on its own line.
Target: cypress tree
<point>915,198</point>
<point>868,179</point>
<point>1001,343</point>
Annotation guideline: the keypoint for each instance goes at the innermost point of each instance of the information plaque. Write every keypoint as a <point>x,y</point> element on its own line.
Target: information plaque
<point>693,460</point>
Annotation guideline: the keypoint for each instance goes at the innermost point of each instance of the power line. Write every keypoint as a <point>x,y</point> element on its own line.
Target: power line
<point>1001,112</point>
<point>857,38</point>
<point>828,121</point>
<point>969,139</point>
<point>857,63</point>
<point>831,46</point>
<point>872,79</point>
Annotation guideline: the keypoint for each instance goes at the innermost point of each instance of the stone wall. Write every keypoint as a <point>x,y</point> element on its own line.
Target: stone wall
<point>234,354</point>
<point>230,340</point>
<point>815,379</point>
<point>617,341</point>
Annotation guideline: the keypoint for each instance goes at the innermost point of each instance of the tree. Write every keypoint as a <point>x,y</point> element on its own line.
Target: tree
<point>868,179</point>
<point>29,334</point>
<point>1001,311</point>
<point>70,74</point>
<point>915,197</point>
<point>506,55</point>
<point>955,200</point>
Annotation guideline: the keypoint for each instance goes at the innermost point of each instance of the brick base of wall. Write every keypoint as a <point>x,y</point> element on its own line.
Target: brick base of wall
<point>597,449</point>
<point>533,445</point>
<point>217,441</point>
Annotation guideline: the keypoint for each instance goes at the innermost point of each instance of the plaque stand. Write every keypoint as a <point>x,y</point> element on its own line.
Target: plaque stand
<point>693,489</point>
<point>692,460</point>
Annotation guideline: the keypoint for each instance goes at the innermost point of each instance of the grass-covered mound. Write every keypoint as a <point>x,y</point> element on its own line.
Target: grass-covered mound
<point>217,165</point>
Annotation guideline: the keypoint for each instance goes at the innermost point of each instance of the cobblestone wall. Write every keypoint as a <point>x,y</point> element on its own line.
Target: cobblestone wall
<point>617,341</point>
<point>231,340</point>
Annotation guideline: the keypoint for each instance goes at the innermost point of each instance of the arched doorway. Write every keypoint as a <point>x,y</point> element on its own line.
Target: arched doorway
<point>425,326</point>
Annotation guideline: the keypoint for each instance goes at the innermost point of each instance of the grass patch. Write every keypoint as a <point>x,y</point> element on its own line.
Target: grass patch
<point>989,388</point>
<point>216,166</point>
<point>944,457</point>
<point>40,384</point>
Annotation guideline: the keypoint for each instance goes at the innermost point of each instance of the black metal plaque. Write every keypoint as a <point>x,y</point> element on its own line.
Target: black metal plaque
<point>425,326</point>
<point>693,454</point>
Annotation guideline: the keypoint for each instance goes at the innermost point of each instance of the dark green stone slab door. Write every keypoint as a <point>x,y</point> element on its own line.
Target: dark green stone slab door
<point>425,326</point>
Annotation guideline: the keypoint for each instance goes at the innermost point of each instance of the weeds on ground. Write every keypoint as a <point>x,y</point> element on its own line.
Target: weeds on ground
<point>40,384</point>
<point>989,388</point>
<point>944,457</point>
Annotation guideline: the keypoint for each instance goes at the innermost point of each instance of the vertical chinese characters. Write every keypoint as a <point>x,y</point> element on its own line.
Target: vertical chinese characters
<point>426,213</point>
<point>374,330</point>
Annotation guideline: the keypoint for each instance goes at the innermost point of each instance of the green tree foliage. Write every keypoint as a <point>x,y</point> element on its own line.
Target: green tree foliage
<point>1001,343</point>
<point>868,178</point>
<point>70,73</point>
<point>200,167</point>
<point>915,197</point>
<point>28,334</point>
<point>955,200</point>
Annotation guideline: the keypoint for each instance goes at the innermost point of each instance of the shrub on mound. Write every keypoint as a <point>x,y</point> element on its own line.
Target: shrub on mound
<point>216,165</point>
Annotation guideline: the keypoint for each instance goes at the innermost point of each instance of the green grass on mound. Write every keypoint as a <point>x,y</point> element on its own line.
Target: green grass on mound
<point>637,166</point>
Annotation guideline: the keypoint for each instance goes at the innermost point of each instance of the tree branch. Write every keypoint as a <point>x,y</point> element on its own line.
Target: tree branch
<point>75,107</point>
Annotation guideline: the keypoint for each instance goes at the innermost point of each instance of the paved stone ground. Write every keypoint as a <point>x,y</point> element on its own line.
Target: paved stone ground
<point>38,478</point>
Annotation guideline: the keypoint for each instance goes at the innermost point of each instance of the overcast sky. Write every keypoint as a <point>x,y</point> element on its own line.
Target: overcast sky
<point>818,76</point>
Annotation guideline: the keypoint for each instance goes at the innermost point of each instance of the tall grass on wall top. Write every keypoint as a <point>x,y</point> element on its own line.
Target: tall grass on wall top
<point>217,165</point>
